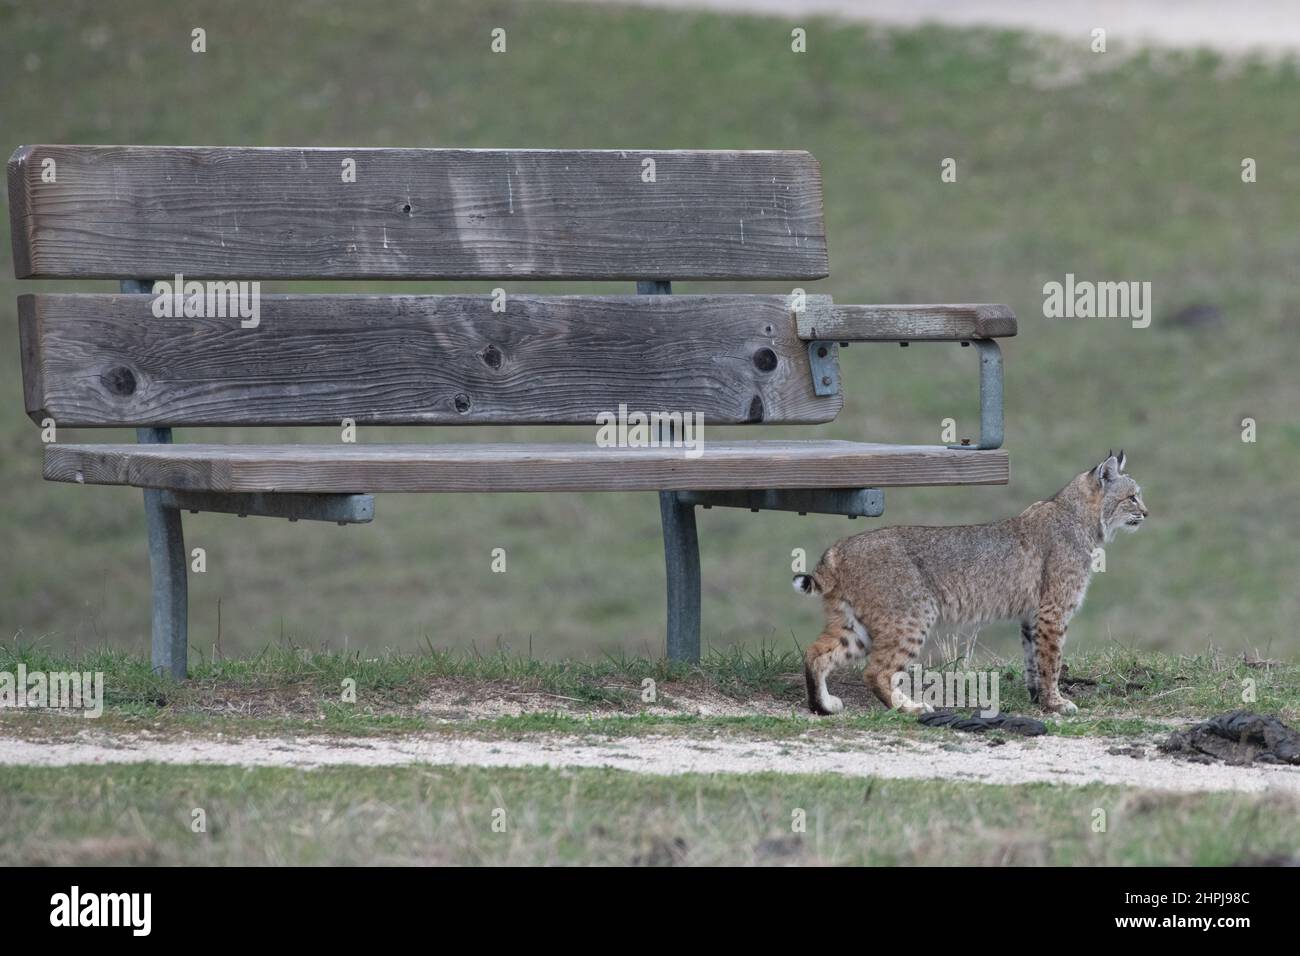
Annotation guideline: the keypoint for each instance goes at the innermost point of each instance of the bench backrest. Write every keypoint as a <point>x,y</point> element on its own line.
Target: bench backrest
<point>248,214</point>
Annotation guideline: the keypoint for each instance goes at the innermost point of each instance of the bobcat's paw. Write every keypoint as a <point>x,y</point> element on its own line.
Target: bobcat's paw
<point>905,705</point>
<point>826,706</point>
<point>1061,706</point>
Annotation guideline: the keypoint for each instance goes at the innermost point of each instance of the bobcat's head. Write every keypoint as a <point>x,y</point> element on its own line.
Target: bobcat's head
<point>1121,498</point>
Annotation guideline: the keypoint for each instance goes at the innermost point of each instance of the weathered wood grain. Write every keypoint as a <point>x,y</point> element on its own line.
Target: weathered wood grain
<point>16,173</point>
<point>151,211</point>
<point>30,356</point>
<point>907,323</point>
<point>105,360</point>
<point>521,467</point>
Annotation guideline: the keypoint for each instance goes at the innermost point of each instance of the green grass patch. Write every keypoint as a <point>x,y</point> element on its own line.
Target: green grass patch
<point>286,690</point>
<point>144,814</point>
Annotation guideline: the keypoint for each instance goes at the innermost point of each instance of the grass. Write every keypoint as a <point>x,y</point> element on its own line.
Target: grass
<point>755,693</point>
<point>146,813</point>
<point>1115,167</point>
<point>142,814</point>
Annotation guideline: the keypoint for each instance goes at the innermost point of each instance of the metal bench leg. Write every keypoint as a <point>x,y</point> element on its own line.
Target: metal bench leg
<point>681,553</point>
<point>169,633</point>
<point>682,561</point>
<point>167,567</point>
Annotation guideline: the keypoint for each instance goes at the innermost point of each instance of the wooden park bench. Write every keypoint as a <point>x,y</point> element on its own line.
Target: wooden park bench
<point>143,213</point>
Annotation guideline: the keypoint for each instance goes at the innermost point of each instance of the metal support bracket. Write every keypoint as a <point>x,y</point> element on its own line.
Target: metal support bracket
<point>823,357</point>
<point>339,508</point>
<point>990,354</point>
<point>990,394</point>
<point>853,502</point>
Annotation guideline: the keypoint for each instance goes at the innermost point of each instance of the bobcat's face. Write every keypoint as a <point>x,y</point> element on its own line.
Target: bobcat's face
<point>1121,497</point>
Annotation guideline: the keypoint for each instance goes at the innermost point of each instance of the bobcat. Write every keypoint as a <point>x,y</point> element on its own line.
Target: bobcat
<point>884,590</point>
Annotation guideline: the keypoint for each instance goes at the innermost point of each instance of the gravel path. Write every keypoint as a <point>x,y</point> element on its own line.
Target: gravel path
<point>1061,760</point>
<point>1230,27</point>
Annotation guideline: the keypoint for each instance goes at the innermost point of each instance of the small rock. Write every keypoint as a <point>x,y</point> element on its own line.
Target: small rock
<point>1137,753</point>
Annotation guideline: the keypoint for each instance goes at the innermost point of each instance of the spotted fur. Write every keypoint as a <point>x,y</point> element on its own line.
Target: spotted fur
<point>883,591</point>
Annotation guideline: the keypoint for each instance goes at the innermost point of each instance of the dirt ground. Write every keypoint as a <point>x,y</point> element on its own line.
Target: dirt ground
<point>1060,760</point>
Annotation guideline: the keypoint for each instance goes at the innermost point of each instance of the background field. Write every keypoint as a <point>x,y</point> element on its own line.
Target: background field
<point>1122,167</point>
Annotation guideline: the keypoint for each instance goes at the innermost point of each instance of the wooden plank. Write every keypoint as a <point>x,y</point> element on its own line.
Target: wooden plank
<point>151,211</point>
<point>521,467</point>
<point>105,360</point>
<point>17,172</point>
<point>29,353</point>
<point>907,323</point>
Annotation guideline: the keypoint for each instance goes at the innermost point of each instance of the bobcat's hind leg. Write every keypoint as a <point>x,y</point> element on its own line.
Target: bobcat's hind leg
<point>1031,659</point>
<point>843,642</point>
<point>892,650</point>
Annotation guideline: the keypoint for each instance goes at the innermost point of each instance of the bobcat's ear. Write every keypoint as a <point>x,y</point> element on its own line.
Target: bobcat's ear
<point>1123,461</point>
<point>1109,468</point>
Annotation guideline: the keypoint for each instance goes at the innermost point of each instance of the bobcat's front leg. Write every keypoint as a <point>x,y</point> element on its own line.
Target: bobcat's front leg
<point>1049,640</point>
<point>1031,658</point>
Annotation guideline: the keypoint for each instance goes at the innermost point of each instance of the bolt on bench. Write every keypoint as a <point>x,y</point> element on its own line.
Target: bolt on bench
<point>144,213</point>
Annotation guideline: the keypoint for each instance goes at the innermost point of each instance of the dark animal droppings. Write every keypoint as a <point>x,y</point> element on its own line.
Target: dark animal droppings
<point>1239,738</point>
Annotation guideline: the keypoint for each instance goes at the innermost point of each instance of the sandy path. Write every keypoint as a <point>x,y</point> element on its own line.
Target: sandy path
<point>1231,27</point>
<point>1061,760</point>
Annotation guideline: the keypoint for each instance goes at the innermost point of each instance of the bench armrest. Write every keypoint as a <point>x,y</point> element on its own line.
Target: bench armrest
<point>977,325</point>
<point>907,323</point>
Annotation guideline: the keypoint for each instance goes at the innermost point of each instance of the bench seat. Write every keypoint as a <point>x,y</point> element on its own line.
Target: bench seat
<point>357,468</point>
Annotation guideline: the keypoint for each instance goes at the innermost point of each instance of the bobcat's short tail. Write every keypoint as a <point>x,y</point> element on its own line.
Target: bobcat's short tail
<point>822,578</point>
<point>806,584</point>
